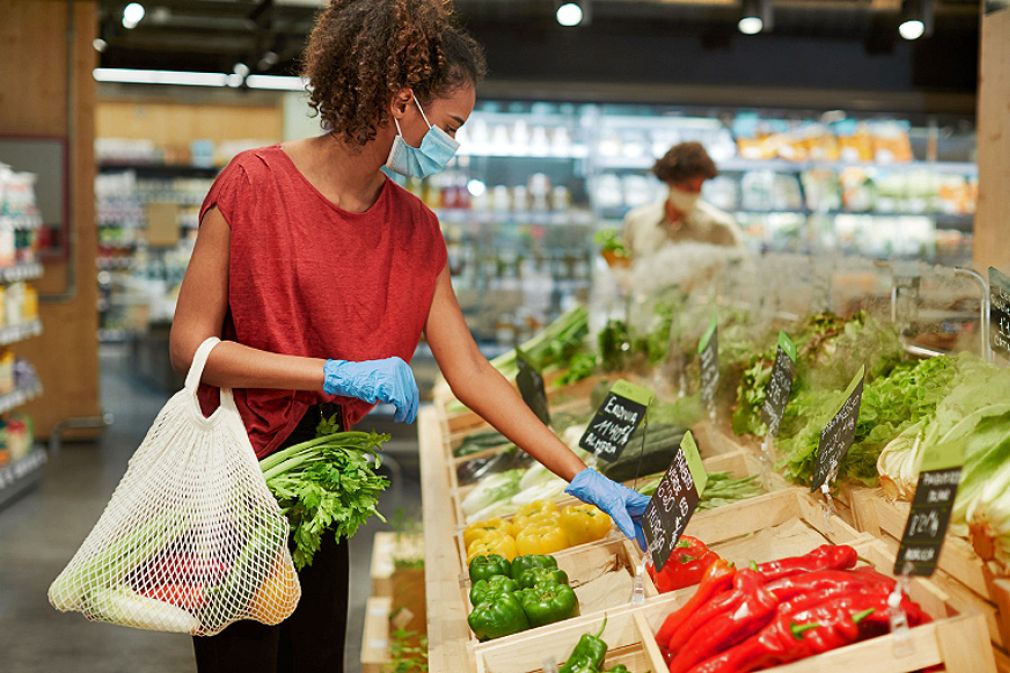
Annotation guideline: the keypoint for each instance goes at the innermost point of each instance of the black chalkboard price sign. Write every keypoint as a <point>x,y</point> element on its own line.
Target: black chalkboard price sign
<point>674,503</point>
<point>999,312</point>
<point>708,357</point>
<point>780,386</point>
<point>838,435</point>
<point>531,387</point>
<point>926,526</point>
<point>620,414</point>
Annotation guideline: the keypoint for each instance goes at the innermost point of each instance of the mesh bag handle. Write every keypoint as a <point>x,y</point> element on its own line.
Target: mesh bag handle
<point>195,375</point>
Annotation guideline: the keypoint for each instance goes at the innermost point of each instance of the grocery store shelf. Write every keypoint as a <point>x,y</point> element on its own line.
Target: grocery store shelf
<point>158,170</point>
<point>568,153</point>
<point>20,475</point>
<point>29,271</point>
<point>15,333</point>
<point>20,222</point>
<point>564,218</point>
<point>19,396</point>
<point>112,336</point>
<point>737,165</point>
<point>114,263</point>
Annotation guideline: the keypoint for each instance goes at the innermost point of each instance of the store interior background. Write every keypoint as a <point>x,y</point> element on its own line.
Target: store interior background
<point>880,147</point>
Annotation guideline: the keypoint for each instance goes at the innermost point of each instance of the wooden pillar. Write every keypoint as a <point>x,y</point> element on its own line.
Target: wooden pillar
<point>46,89</point>
<point>992,221</point>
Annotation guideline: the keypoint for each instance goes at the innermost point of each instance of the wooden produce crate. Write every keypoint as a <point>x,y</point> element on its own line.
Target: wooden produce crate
<point>375,637</point>
<point>387,548</point>
<point>954,641</point>
<point>967,578</point>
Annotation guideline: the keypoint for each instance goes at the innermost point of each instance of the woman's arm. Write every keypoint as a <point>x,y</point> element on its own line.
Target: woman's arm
<point>199,314</point>
<point>481,387</point>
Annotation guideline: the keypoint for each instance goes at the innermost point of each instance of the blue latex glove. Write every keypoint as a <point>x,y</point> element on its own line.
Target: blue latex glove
<point>390,381</point>
<point>624,506</point>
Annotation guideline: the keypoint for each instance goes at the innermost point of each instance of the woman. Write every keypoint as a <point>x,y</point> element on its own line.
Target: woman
<point>320,275</point>
<point>683,216</point>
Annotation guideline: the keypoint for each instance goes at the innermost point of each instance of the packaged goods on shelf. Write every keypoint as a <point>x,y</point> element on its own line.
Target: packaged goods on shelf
<point>16,437</point>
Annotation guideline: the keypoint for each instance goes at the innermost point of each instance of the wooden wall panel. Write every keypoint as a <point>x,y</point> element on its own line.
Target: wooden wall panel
<point>34,101</point>
<point>177,124</point>
<point>992,221</point>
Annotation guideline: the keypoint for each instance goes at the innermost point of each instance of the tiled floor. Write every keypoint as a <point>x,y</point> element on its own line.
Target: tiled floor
<point>39,533</point>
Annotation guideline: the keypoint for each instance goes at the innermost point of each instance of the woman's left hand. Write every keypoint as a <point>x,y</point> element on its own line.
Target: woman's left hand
<point>624,506</point>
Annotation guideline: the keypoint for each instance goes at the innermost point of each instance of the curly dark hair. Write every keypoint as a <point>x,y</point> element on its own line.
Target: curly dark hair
<point>684,162</point>
<point>361,53</point>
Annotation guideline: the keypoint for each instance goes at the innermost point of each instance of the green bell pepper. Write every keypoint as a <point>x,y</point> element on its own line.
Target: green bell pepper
<point>620,668</point>
<point>501,616</point>
<point>521,564</point>
<point>590,648</point>
<point>548,603</point>
<point>483,567</point>
<point>487,589</point>
<point>536,576</point>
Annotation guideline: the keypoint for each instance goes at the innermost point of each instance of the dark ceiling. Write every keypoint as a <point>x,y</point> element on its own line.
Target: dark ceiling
<point>815,44</point>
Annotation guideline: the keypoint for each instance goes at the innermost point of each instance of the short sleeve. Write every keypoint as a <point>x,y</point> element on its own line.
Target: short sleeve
<point>226,192</point>
<point>440,253</point>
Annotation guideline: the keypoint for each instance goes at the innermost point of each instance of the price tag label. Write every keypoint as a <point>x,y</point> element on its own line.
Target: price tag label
<point>926,526</point>
<point>999,312</point>
<point>780,386</point>
<point>619,415</point>
<point>708,355</point>
<point>838,435</point>
<point>531,387</point>
<point>674,503</point>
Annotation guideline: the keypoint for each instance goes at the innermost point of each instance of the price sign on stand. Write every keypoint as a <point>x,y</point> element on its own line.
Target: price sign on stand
<point>838,435</point>
<point>708,355</point>
<point>674,503</point>
<point>780,386</point>
<point>531,387</point>
<point>616,419</point>
<point>927,521</point>
<point>999,312</point>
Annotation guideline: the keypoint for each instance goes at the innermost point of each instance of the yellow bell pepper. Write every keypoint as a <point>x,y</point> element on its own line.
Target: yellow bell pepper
<point>540,511</point>
<point>504,545</point>
<point>584,523</point>
<point>541,538</point>
<point>480,529</point>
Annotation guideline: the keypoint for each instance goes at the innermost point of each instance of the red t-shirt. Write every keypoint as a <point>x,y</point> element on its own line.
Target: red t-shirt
<point>308,278</point>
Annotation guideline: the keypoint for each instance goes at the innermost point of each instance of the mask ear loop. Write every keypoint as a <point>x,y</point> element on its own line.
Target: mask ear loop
<point>420,109</point>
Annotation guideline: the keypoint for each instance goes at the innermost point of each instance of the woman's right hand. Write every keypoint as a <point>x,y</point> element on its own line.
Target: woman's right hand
<point>390,380</point>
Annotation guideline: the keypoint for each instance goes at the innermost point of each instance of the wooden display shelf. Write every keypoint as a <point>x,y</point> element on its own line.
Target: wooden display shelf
<point>969,580</point>
<point>387,548</point>
<point>375,637</point>
<point>954,641</point>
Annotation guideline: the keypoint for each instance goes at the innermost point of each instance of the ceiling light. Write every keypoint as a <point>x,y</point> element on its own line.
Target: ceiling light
<point>755,16</point>
<point>133,13</point>
<point>176,77</point>
<point>99,44</point>
<point>916,19</point>
<point>241,69</point>
<point>570,14</point>
<point>750,25</point>
<point>185,78</point>
<point>268,60</point>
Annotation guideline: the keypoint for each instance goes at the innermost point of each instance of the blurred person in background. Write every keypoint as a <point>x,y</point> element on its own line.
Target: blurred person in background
<point>683,216</point>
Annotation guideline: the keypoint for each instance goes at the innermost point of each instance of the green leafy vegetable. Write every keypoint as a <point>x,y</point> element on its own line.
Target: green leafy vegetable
<point>326,484</point>
<point>609,240</point>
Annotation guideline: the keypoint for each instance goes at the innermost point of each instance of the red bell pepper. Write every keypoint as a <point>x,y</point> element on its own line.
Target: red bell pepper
<point>716,579</point>
<point>825,557</point>
<point>184,596</point>
<point>685,567</point>
<point>755,610</point>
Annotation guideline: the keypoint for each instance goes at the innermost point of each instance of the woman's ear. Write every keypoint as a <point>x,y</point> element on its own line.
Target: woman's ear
<point>400,103</point>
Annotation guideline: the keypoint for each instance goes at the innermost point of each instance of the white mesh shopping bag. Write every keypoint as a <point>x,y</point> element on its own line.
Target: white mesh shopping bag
<point>192,540</point>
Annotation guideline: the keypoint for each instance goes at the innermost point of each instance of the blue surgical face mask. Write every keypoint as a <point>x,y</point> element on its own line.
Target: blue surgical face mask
<point>436,151</point>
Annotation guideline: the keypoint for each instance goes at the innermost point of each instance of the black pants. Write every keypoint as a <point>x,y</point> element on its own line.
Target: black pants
<point>312,639</point>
